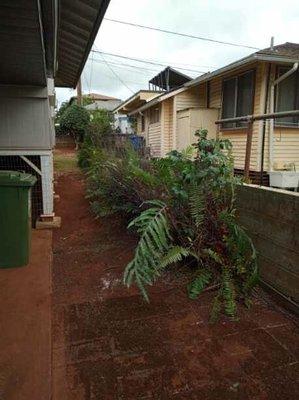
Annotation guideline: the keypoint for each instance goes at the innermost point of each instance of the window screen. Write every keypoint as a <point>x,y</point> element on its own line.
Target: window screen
<point>245,96</point>
<point>287,98</point>
<point>238,98</point>
<point>229,101</point>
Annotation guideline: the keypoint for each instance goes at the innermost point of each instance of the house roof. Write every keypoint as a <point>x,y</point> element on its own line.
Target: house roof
<point>95,97</point>
<point>98,96</point>
<point>284,53</point>
<point>287,49</point>
<point>169,79</point>
<point>157,99</point>
<point>103,104</point>
<point>136,100</point>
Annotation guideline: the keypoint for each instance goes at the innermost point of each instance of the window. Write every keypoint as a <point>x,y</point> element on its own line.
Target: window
<point>237,98</point>
<point>287,98</point>
<point>154,115</point>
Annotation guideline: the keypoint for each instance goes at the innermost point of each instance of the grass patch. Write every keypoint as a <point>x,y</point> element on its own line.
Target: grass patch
<point>65,162</point>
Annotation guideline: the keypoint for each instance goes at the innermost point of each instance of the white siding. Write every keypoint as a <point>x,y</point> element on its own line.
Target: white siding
<point>25,119</point>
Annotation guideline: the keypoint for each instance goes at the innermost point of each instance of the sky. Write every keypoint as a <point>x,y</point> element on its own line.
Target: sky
<point>249,23</point>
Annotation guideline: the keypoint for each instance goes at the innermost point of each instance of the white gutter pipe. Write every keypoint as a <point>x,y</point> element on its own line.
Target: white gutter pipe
<point>272,94</point>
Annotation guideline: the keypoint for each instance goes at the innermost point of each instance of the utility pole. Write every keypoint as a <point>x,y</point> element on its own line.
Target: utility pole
<point>79,92</point>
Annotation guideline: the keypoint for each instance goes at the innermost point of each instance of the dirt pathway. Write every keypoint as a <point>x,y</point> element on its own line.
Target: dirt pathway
<point>109,344</point>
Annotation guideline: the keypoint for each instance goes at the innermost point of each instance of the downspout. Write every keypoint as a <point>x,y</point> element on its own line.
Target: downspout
<point>265,124</point>
<point>272,94</point>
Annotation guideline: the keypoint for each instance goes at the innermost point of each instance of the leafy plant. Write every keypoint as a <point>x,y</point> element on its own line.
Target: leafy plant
<point>75,121</point>
<point>183,209</point>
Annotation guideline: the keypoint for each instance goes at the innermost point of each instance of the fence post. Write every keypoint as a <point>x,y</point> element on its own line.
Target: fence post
<point>248,150</point>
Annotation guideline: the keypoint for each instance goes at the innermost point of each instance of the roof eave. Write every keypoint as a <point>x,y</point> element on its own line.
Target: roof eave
<point>240,63</point>
<point>92,37</point>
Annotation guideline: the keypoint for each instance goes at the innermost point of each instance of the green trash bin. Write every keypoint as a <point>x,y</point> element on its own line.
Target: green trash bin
<point>15,218</point>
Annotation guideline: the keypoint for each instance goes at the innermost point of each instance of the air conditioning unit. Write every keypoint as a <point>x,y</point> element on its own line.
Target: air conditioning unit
<point>284,179</point>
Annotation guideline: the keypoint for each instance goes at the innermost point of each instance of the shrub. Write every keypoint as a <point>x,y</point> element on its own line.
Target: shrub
<point>75,121</point>
<point>101,122</point>
<point>183,208</point>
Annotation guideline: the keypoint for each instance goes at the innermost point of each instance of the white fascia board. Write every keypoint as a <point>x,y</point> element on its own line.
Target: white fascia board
<point>158,99</point>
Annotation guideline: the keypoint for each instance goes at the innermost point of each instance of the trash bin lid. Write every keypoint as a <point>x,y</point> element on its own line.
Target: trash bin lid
<point>15,178</point>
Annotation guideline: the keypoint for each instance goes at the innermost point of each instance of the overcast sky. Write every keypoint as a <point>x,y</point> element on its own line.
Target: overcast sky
<point>246,22</point>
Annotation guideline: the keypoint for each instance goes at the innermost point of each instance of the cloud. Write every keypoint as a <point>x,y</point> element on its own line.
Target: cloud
<point>252,23</point>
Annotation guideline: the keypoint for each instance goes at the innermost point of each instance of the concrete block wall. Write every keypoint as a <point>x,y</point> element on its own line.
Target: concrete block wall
<point>271,218</point>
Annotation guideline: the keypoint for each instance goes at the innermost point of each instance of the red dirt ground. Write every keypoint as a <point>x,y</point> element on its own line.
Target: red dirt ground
<point>109,344</point>
<point>25,324</point>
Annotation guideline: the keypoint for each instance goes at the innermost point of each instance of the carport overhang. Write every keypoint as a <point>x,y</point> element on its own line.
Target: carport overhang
<point>79,22</point>
<point>47,38</point>
<point>23,55</point>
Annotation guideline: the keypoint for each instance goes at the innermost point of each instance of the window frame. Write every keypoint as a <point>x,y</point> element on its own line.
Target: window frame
<point>236,78</point>
<point>282,124</point>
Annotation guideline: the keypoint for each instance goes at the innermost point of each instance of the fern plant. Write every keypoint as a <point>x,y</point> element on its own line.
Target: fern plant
<point>152,225</point>
<point>196,219</point>
<point>182,206</point>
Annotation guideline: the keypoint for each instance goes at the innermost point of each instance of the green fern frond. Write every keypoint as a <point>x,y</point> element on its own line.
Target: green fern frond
<point>252,280</point>
<point>213,255</point>
<point>197,205</point>
<point>146,265</point>
<point>229,294</point>
<point>199,283</point>
<point>174,255</point>
<point>216,307</point>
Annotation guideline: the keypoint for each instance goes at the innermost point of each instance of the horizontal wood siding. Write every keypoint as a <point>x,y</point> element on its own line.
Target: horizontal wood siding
<point>188,98</point>
<point>154,139</point>
<point>167,109</point>
<point>215,93</point>
<point>203,95</point>
<point>286,146</point>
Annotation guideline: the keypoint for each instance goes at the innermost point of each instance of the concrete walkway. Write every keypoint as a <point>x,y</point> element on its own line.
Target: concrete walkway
<point>109,344</point>
<point>25,325</point>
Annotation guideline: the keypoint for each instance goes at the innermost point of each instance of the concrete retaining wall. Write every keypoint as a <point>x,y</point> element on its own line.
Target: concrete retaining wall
<point>271,217</point>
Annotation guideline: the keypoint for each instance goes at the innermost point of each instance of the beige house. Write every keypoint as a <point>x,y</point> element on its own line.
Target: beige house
<point>265,81</point>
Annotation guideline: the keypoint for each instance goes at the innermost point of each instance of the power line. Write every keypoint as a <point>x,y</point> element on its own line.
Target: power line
<point>116,75</point>
<point>143,69</point>
<point>157,62</point>
<point>127,81</point>
<point>181,34</point>
<point>146,61</point>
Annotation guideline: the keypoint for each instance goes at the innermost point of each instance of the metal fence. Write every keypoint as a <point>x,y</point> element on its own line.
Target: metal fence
<point>16,163</point>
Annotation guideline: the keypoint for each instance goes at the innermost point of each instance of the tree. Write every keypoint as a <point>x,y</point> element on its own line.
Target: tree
<point>101,122</point>
<point>64,106</point>
<point>75,121</point>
